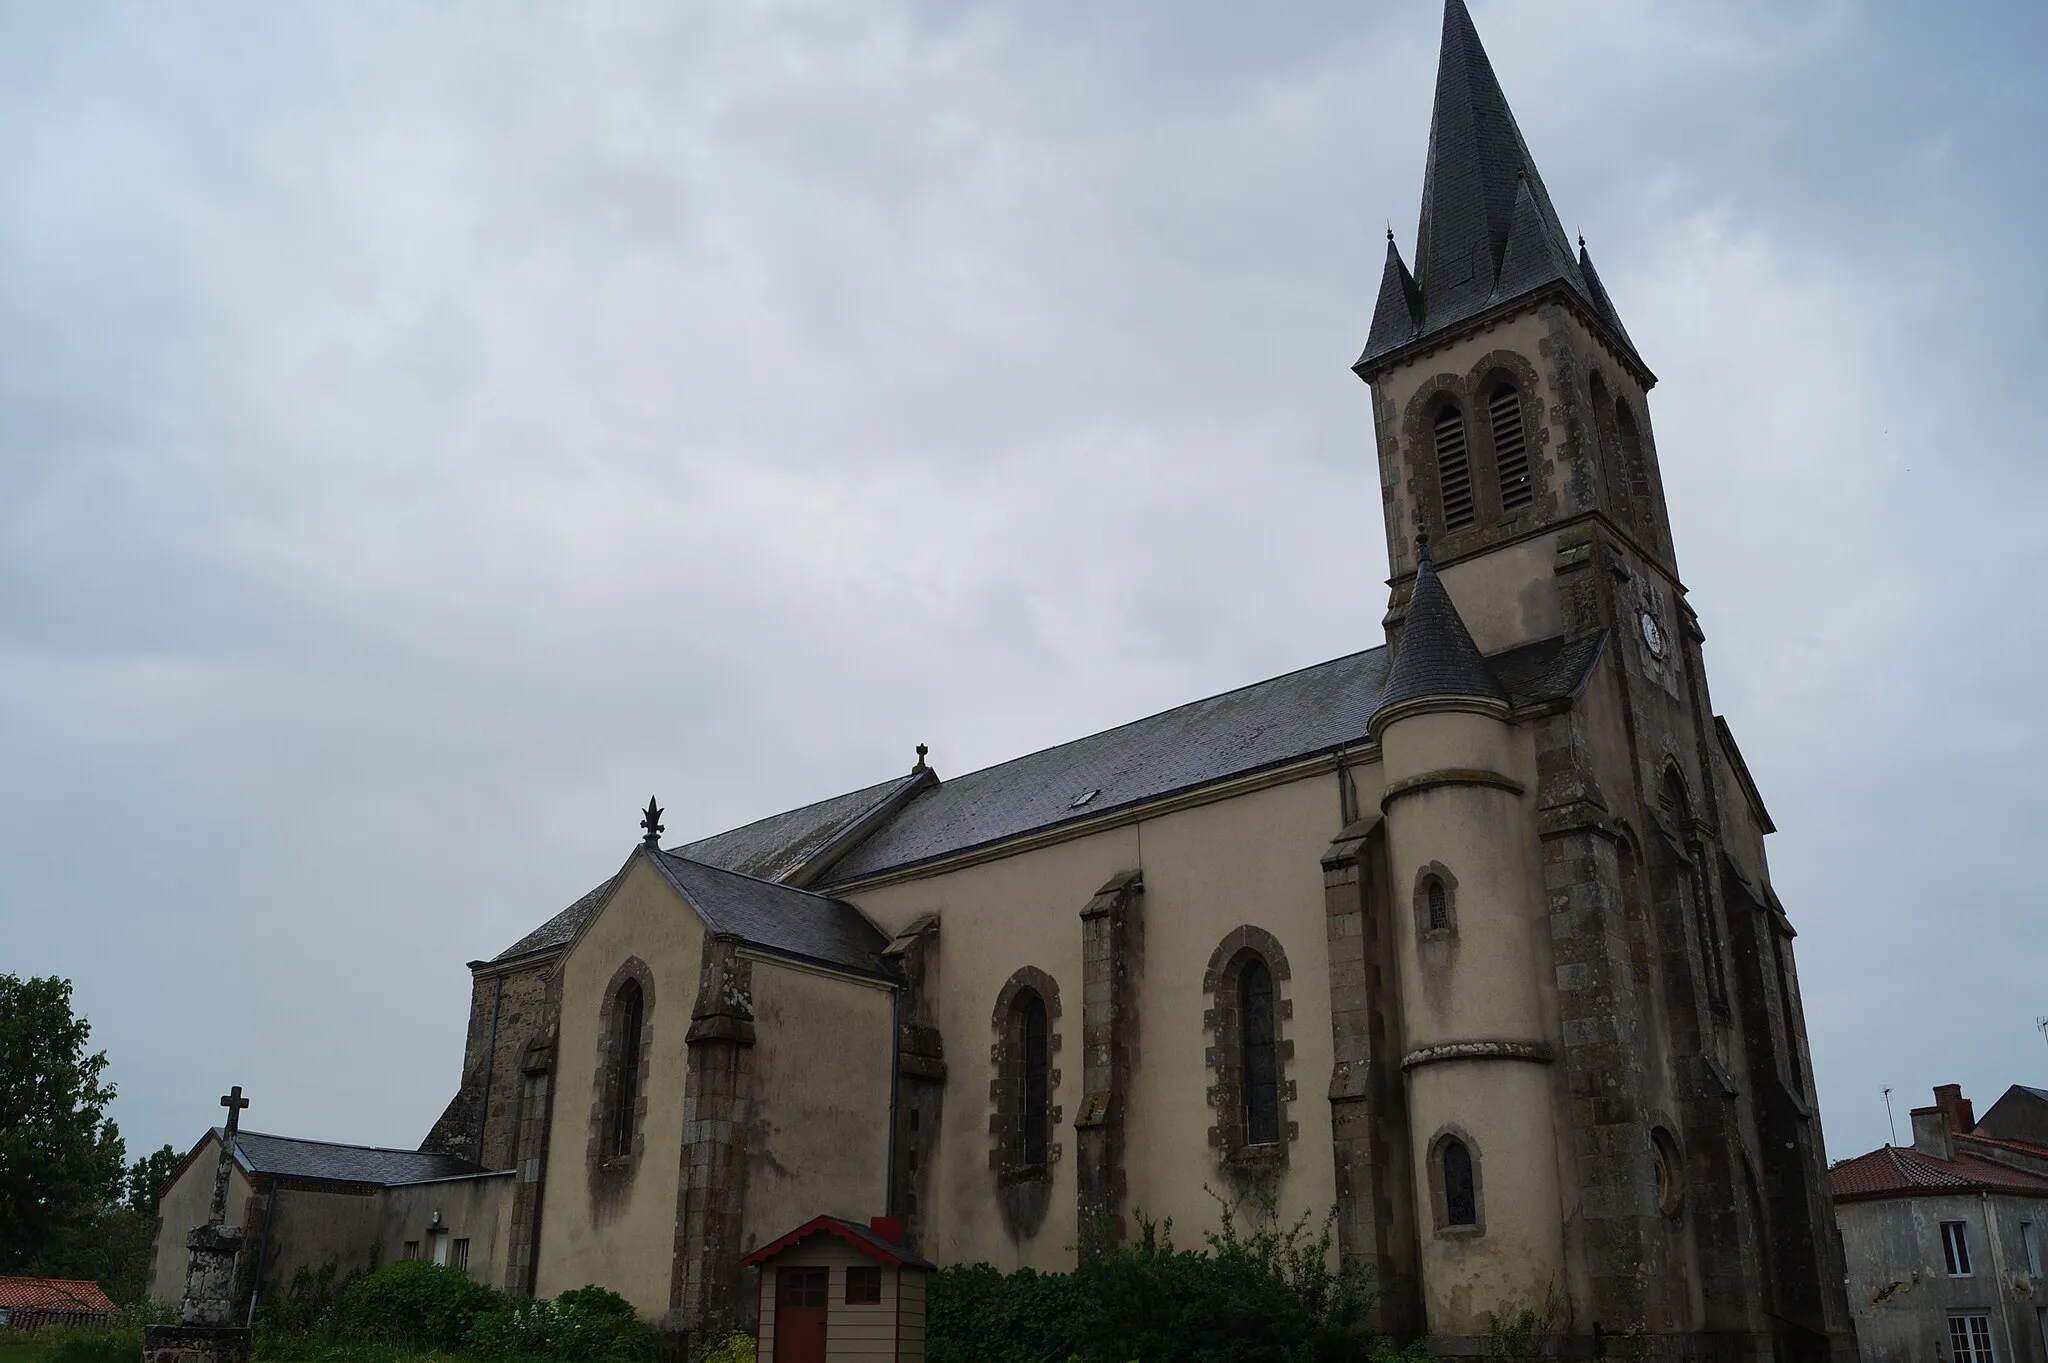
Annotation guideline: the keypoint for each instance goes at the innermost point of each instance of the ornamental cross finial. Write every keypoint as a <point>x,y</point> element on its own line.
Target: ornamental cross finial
<point>650,820</point>
<point>922,753</point>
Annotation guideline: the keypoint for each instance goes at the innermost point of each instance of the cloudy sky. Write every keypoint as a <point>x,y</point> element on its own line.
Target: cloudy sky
<point>426,429</point>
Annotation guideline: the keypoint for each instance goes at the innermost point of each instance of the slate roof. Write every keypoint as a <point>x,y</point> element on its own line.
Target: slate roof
<point>774,847</point>
<point>51,1294</point>
<point>290,1157</point>
<point>1487,233</point>
<point>780,918</point>
<point>1315,710</point>
<point>1895,1171</point>
<point>1436,655</point>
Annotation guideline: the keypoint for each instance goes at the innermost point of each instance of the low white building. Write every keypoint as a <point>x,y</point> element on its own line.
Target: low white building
<point>1944,1242</point>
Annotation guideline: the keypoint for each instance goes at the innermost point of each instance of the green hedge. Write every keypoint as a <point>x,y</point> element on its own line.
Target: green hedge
<point>1267,1296</point>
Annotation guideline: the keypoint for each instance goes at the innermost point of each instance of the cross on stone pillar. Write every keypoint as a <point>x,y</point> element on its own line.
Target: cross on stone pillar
<point>234,1102</point>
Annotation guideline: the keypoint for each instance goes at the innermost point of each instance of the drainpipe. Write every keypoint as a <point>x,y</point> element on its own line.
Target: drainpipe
<point>2012,1337</point>
<point>262,1253</point>
<point>895,1089</point>
<point>483,1115</point>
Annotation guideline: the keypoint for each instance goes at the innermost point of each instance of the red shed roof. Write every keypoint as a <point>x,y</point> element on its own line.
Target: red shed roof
<point>52,1294</point>
<point>1895,1171</point>
<point>860,1237</point>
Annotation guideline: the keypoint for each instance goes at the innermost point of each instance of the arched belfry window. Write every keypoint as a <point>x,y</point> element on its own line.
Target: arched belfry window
<point>1261,1054</point>
<point>1454,470</point>
<point>1510,448</point>
<point>1439,905</point>
<point>1630,437</point>
<point>629,1012</point>
<point>1036,1108</point>
<point>1460,1188</point>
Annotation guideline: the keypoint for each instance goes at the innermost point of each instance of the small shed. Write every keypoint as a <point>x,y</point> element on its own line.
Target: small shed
<point>32,1303</point>
<point>832,1291</point>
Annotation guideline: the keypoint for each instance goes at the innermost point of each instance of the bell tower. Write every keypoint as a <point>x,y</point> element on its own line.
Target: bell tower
<point>1508,399</point>
<point>1611,1125</point>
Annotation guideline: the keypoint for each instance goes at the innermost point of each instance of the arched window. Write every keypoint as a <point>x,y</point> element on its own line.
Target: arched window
<point>1461,1193</point>
<point>628,1015</point>
<point>1439,903</point>
<point>1454,470</point>
<point>1693,900</point>
<point>1037,1106</point>
<point>1631,438</point>
<point>1510,448</point>
<point>1261,1054</point>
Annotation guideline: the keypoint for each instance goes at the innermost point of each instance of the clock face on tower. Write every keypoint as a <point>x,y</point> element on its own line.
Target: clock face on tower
<point>1653,635</point>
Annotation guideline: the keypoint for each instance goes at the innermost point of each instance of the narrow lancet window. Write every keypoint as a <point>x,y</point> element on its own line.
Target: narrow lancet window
<point>1439,906</point>
<point>1454,470</point>
<point>1510,448</point>
<point>1037,1072</point>
<point>628,1010</point>
<point>1261,1055</point>
<point>1461,1203</point>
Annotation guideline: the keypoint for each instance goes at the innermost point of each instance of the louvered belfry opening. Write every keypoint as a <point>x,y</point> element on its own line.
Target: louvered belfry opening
<point>1454,470</point>
<point>1510,448</point>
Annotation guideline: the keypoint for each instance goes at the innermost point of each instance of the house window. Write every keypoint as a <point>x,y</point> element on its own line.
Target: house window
<point>628,1013</point>
<point>458,1254</point>
<point>1261,1055</point>
<point>1461,1194</point>
<point>2030,1249</point>
<point>1969,1337</point>
<point>863,1286</point>
<point>412,1249</point>
<point>1510,448</point>
<point>801,1286</point>
<point>1454,470</point>
<point>1955,1248</point>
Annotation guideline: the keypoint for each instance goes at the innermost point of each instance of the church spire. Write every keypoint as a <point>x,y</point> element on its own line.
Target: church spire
<point>1436,656</point>
<point>1488,233</point>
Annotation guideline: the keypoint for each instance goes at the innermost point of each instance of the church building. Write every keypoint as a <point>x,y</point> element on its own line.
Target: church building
<point>1468,936</point>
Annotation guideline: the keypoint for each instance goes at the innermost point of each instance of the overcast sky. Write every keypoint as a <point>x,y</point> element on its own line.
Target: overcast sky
<point>427,429</point>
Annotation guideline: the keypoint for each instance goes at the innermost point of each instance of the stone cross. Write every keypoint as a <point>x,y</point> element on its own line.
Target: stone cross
<point>234,1102</point>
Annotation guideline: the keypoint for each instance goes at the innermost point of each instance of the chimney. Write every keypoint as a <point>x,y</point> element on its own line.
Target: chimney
<point>1961,1114</point>
<point>890,1228</point>
<point>1931,1133</point>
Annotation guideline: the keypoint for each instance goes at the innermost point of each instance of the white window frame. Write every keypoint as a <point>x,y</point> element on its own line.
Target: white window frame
<point>1970,1339</point>
<point>1955,1249</point>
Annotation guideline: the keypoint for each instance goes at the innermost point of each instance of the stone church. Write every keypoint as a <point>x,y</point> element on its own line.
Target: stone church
<point>1469,937</point>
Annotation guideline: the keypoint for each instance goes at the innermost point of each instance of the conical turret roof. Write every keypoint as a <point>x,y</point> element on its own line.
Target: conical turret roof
<point>1436,655</point>
<point>1488,233</point>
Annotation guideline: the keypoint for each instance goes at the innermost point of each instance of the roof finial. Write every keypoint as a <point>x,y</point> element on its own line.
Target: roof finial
<point>1582,238</point>
<point>922,752</point>
<point>1390,231</point>
<point>650,820</point>
<point>1422,544</point>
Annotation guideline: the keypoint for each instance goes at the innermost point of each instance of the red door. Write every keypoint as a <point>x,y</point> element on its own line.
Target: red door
<point>800,1315</point>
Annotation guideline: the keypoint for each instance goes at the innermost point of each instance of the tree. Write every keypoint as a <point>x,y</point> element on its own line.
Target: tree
<point>147,1176</point>
<point>61,1160</point>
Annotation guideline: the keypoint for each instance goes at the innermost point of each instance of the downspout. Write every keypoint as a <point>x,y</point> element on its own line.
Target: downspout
<point>895,1089</point>
<point>2012,1337</point>
<point>262,1253</point>
<point>483,1115</point>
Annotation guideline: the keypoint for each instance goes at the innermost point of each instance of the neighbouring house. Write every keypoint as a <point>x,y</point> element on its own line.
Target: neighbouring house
<point>1944,1240</point>
<point>832,1291</point>
<point>307,1204</point>
<point>32,1303</point>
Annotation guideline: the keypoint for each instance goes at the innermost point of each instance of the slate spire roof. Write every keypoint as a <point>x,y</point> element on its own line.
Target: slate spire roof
<point>1488,233</point>
<point>1436,655</point>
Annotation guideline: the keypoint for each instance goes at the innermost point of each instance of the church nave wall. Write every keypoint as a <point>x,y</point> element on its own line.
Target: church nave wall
<point>610,1218</point>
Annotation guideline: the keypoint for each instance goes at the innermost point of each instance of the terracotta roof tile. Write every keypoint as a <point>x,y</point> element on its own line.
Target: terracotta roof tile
<point>52,1294</point>
<point>1895,1171</point>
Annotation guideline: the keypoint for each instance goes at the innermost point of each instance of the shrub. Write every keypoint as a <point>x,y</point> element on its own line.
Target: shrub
<point>414,1303</point>
<point>1269,1296</point>
<point>732,1349</point>
<point>583,1325</point>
